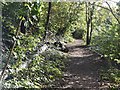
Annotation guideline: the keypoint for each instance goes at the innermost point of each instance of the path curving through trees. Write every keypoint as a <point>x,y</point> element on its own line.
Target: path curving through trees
<point>83,68</point>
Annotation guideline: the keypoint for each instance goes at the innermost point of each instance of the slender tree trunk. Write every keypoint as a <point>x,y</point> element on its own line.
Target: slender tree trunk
<point>92,11</point>
<point>9,56</point>
<point>87,36</point>
<point>91,30</point>
<point>47,21</point>
<point>89,25</point>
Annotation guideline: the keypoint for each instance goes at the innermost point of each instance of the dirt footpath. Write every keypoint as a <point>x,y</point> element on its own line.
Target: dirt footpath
<point>83,68</point>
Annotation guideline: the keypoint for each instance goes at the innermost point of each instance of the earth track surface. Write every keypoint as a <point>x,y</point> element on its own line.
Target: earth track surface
<point>83,69</point>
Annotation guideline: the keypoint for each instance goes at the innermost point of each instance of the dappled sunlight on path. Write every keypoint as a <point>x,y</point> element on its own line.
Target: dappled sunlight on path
<point>83,67</point>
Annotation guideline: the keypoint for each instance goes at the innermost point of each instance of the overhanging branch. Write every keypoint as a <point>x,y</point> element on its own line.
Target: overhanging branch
<point>11,51</point>
<point>109,9</point>
<point>113,13</point>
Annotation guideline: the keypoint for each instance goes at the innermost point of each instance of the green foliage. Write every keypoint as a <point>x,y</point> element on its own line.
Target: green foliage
<point>78,34</point>
<point>63,20</point>
<point>108,42</point>
<point>34,70</point>
<point>27,66</point>
<point>112,75</point>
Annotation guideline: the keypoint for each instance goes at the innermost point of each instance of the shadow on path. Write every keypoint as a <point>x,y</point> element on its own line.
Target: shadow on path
<point>82,69</point>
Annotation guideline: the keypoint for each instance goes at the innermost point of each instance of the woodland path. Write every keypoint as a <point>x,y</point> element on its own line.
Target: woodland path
<point>83,69</point>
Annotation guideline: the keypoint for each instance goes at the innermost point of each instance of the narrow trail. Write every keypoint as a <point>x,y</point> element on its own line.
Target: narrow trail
<point>83,67</point>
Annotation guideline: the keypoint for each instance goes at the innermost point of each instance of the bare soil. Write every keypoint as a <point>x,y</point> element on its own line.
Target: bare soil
<point>83,69</point>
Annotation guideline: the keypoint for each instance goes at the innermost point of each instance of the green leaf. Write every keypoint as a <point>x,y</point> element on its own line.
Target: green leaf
<point>18,42</point>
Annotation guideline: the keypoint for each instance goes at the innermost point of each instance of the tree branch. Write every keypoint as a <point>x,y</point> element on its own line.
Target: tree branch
<point>101,6</point>
<point>8,59</point>
<point>113,13</point>
<point>109,9</point>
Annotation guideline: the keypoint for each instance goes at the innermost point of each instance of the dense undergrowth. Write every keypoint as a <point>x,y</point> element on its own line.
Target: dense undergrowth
<point>38,72</point>
<point>33,67</point>
<point>35,61</point>
<point>107,43</point>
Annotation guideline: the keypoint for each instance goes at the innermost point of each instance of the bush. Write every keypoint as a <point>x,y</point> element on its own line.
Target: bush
<point>108,42</point>
<point>78,34</point>
<point>31,69</point>
<point>40,72</point>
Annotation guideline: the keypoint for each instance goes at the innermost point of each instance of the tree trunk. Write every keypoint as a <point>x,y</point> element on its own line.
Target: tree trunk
<point>91,16</point>
<point>89,25</point>
<point>47,21</point>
